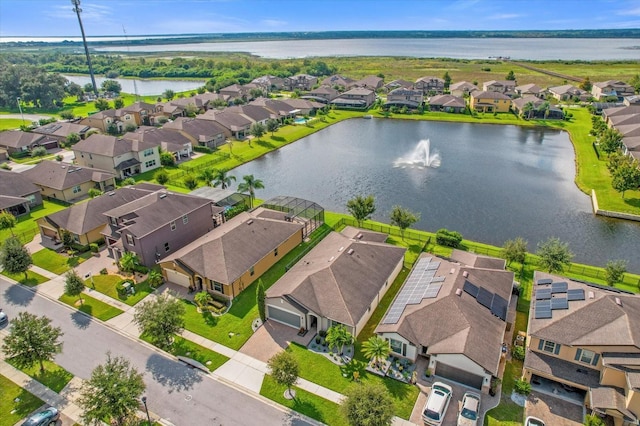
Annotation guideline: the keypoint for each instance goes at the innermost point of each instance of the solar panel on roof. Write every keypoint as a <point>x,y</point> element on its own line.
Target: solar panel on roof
<point>470,288</point>
<point>575,294</point>
<point>559,303</point>
<point>560,287</point>
<point>543,293</point>
<point>484,297</point>
<point>543,281</point>
<point>432,291</point>
<point>499,307</point>
<point>542,313</point>
<point>546,304</point>
<point>438,279</point>
<point>433,265</point>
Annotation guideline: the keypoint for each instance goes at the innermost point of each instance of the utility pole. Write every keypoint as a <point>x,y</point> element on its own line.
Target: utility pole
<point>77,10</point>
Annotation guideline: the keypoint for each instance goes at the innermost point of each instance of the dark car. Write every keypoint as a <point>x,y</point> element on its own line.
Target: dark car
<point>46,417</point>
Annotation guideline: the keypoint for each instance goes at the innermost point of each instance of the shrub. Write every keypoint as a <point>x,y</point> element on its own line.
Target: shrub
<point>59,157</point>
<point>522,387</point>
<point>235,210</point>
<point>94,247</point>
<point>103,271</point>
<point>140,269</point>
<point>204,149</point>
<point>518,353</point>
<point>322,333</point>
<point>66,115</point>
<point>447,238</point>
<point>161,177</point>
<point>5,166</point>
<point>39,151</point>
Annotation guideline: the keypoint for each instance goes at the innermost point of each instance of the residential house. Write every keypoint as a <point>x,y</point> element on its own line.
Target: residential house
<point>236,125</point>
<point>232,256</point>
<point>357,98</point>
<point>19,142</point>
<point>269,82</point>
<point>622,111</point>
<point>340,281</point>
<point>170,110</point>
<point>200,132</point>
<point>430,85</point>
<point>452,314</point>
<point>68,182</point>
<point>411,98</point>
<point>338,82</point>
<point>586,338</point>
<point>462,88</point>
<point>280,110</point>
<point>168,140</point>
<point>531,106</point>
<point>111,119</point>
<point>304,106</point>
<point>531,89</point>
<point>324,94</point>
<point>158,224</point>
<point>4,156</point>
<point>208,100</point>
<point>255,113</point>
<point>123,157</point>
<point>85,221</point>
<point>142,112</point>
<point>233,92</point>
<point>191,105</point>
<point>303,82</point>
<point>612,88</point>
<point>631,100</point>
<point>60,130</point>
<point>17,194</point>
<point>490,102</point>
<point>447,103</point>
<point>398,84</point>
<point>371,82</point>
<point>568,92</point>
<point>506,87</point>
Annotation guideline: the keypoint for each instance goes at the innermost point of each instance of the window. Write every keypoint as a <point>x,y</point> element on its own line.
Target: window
<point>173,225</point>
<point>275,251</point>
<point>396,346</point>
<point>114,221</point>
<point>251,271</point>
<point>548,346</point>
<point>166,247</point>
<point>150,163</point>
<point>130,240</point>
<point>90,156</point>
<point>148,152</point>
<point>76,189</point>
<point>185,219</point>
<point>587,356</point>
<point>217,287</point>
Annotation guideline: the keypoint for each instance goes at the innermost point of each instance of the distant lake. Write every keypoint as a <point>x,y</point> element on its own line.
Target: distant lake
<point>494,183</point>
<point>144,87</point>
<point>461,48</point>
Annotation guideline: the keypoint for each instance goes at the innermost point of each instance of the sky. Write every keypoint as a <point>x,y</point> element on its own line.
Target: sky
<point>39,18</point>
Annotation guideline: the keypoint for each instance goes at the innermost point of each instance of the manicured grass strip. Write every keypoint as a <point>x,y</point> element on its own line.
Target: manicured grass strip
<point>184,347</point>
<point>54,376</point>
<point>106,284</point>
<point>27,227</point>
<point>306,403</point>
<point>12,123</point>
<point>15,403</point>
<point>94,307</point>
<point>32,280</point>
<point>55,262</point>
<point>507,413</point>
<point>318,369</point>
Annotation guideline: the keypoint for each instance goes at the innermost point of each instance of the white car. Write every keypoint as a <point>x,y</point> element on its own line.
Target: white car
<point>533,421</point>
<point>468,415</point>
<point>437,404</point>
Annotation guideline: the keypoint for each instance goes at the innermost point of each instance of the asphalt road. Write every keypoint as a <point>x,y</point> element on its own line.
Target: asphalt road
<point>182,395</point>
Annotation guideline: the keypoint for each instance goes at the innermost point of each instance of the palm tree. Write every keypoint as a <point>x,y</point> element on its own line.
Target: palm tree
<point>338,336</point>
<point>128,261</point>
<point>250,185</point>
<point>377,349</point>
<point>207,176</point>
<point>527,109</point>
<point>222,179</point>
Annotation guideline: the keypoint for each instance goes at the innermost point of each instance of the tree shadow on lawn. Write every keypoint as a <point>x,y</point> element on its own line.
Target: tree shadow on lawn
<point>55,380</point>
<point>265,144</point>
<point>278,138</point>
<point>307,408</point>
<point>633,202</point>
<point>172,374</point>
<point>25,404</point>
<point>16,295</point>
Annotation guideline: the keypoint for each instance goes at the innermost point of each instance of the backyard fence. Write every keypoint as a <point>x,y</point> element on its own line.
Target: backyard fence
<point>219,158</point>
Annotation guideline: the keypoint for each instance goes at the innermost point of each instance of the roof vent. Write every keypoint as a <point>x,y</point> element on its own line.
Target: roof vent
<point>332,257</point>
<point>359,236</point>
<point>111,194</point>
<point>591,295</point>
<point>452,271</point>
<point>350,251</point>
<point>618,301</point>
<point>163,195</point>
<point>465,274</point>
<point>340,249</point>
<point>459,292</point>
<point>64,167</point>
<point>250,221</point>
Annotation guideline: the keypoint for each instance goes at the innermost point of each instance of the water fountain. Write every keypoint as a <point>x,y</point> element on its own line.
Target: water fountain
<point>420,157</point>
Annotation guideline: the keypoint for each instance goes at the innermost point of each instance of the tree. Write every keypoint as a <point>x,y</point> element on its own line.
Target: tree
<point>160,319</point>
<point>510,76</point>
<point>376,349</point>
<point>128,261</point>
<point>626,177</point>
<point>515,250</point>
<point>586,85</point>
<point>222,179</point>
<point>94,192</point>
<point>250,185</point>
<point>614,271</point>
<point>161,176</point>
<point>128,181</point>
<point>67,239</point>
<point>167,159</point>
<point>74,89</point>
<point>528,109</point>
<point>368,405</point>
<point>190,182</point>
<point>101,104</point>
<point>338,336</point>
<point>272,125</point>
<point>169,94</point>
<point>260,298</point>
<point>202,299</point>
<point>118,103</point>
<point>7,221</point>
<point>257,130</point>
<point>610,141</point>
<point>554,255</point>
<point>155,278</point>
<point>593,420</point>
<point>284,369</point>
<point>111,86</point>
<point>15,257</point>
<point>72,138</point>
<point>403,218</point>
<point>112,392</point>
<point>88,88</point>
<point>207,175</point>
<point>447,79</point>
<point>73,285</point>
<point>635,82</point>
<point>32,340</point>
<point>361,208</point>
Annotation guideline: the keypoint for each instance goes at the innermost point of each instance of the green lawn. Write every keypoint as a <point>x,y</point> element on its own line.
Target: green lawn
<point>55,262</point>
<point>306,403</point>
<point>54,376</point>
<point>15,403</point>
<point>106,284</point>
<point>91,306</point>
<point>32,280</point>
<point>184,347</point>
<point>12,123</point>
<point>27,227</point>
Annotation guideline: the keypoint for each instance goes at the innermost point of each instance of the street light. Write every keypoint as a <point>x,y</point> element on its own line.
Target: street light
<point>144,401</point>
<point>77,10</point>
<point>20,108</point>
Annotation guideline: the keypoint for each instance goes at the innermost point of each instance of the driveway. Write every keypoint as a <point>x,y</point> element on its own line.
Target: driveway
<point>271,338</point>
<point>554,411</point>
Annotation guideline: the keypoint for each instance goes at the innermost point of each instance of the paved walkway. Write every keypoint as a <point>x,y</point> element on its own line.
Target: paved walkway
<point>242,371</point>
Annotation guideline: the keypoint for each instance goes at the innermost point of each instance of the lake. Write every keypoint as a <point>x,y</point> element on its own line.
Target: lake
<point>461,48</point>
<point>144,87</point>
<point>494,183</point>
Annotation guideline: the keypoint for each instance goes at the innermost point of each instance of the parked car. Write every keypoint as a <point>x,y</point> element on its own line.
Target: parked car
<point>468,415</point>
<point>4,319</point>
<point>533,421</point>
<point>47,417</point>
<point>437,404</point>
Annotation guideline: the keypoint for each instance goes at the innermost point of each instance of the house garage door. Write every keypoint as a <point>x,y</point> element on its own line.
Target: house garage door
<point>458,375</point>
<point>285,317</point>
<point>177,278</point>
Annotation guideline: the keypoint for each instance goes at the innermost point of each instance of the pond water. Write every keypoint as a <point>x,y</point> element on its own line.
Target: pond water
<point>144,87</point>
<point>491,183</point>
